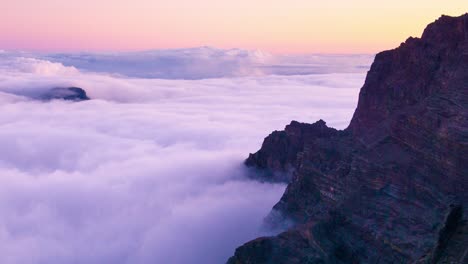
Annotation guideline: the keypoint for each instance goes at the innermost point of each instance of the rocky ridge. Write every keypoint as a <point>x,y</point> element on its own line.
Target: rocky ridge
<point>390,188</point>
<point>69,94</point>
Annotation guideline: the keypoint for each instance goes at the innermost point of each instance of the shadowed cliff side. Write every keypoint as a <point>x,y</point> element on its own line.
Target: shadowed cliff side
<point>392,187</point>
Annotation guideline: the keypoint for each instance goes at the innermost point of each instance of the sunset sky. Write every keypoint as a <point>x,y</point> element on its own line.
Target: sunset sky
<point>278,26</point>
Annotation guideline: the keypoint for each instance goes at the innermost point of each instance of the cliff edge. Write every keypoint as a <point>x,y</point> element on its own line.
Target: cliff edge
<point>393,186</point>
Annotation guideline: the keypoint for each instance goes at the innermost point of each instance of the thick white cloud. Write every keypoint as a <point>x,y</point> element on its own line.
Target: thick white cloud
<point>36,66</point>
<point>150,170</point>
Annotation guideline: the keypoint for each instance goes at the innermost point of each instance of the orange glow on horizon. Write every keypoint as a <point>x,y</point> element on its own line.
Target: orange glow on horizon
<point>295,26</point>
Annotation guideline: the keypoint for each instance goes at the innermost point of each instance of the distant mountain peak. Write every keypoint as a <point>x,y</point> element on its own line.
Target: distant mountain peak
<point>69,94</point>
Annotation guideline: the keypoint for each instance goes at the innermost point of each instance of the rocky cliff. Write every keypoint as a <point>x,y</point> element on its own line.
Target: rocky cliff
<point>393,186</point>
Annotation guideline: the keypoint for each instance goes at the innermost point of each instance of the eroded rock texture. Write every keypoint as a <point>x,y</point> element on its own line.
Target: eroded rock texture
<point>393,186</point>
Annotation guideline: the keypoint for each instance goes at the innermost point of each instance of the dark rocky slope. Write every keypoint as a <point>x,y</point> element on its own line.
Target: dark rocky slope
<point>393,186</point>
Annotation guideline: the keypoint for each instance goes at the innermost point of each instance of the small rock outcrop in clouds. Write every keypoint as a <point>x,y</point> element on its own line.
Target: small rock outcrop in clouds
<point>392,187</point>
<point>69,94</point>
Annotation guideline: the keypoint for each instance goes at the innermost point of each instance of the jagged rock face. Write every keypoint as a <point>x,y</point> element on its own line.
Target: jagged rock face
<point>70,94</point>
<point>278,157</point>
<point>392,187</point>
<point>399,78</point>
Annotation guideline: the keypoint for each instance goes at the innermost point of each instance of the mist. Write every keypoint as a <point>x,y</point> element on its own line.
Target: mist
<point>151,169</point>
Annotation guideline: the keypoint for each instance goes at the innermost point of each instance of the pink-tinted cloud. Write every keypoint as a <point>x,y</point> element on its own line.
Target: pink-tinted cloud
<point>149,170</point>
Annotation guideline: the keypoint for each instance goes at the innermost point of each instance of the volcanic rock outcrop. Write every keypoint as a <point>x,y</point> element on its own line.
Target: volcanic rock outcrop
<point>393,186</point>
<point>70,94</point>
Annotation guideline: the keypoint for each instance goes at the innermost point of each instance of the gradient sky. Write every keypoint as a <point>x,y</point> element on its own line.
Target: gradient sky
<point>280,26</point>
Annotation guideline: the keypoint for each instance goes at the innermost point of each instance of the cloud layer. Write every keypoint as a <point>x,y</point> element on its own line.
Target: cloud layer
<point>201,63</point>
<point>150,170</point>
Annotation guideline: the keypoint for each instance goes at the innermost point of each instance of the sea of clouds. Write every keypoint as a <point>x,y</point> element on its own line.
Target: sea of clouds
<point>150,170</point>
